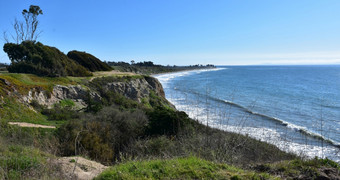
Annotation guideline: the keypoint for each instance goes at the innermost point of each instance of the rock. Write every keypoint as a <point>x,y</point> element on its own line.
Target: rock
<point>328,173</point>
<point>80,168</point>
<point>157,86</point>
<point>77,93</point>
<point>135,89</point>
<point>5,81</point>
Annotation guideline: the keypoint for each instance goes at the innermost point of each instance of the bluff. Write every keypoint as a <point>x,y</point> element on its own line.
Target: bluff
<point>135,88</point>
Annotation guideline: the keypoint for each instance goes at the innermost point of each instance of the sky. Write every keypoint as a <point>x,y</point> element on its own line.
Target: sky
<point>185,32</point>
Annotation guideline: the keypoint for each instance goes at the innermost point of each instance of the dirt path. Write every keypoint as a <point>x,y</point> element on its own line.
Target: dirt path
<point>24,124</point>
<point>80,168</point>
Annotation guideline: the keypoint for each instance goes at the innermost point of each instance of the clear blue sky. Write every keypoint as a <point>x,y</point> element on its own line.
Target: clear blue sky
<point>181,32</point>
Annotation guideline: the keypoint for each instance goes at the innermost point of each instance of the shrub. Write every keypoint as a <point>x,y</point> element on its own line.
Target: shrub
<point>42,60</point>
<point>89,61</point>
<point>102,136</point>
<point>61,111</point>
<point>165,121</point>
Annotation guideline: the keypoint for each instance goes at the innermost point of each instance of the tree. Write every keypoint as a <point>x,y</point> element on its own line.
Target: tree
<point>35,58</point>
<point>27,30</point>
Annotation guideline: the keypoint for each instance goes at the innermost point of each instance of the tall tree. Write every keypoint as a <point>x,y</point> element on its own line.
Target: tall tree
<point>31,21</point>
<point>26,30</point>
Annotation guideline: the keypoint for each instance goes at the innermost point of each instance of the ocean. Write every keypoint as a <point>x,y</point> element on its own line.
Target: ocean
<point>296,108</point>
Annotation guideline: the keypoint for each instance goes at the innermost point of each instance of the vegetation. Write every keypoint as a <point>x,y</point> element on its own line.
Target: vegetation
<point>28,29</point>
<point>152,129</point>
<point>22,83</point>
<point>148,67</point>
<point>3,67</point>
<point>304,169</point>
<point>89,61</point>
<point>36,58</point>
<point>179,168</point>
<point>20,162</point>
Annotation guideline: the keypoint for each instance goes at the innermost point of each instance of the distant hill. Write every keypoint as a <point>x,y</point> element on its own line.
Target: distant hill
<point>148,67</point>
<point>89,61</point>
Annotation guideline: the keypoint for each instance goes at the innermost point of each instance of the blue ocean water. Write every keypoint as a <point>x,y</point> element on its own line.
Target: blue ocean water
<point>296,108</point>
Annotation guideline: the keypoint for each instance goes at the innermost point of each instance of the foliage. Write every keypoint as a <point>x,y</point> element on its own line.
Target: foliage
<point>179,168</point>
<point>16,160</point>
<point>23,83</point>
<point>89,61</point>
<point>165,121</point>
<point>10,109</point>
<point>3,67</point>
<point>41,138</point>
<point>102,136</point>
<point>42,60</point>
<point>304,169</point>
<point>25,162</point>
<point>27,30</point>
<point>61,112</point>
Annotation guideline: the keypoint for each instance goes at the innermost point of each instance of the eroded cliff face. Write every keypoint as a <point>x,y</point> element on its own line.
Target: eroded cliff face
<point>134,89</point>
<point>137,89</point>
<point>76,93</point>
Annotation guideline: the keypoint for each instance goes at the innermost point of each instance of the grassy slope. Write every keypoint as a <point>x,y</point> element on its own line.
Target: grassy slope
<point>195,168</point>
<point>18,161</point>
<point>179,168</point>
<point>11,110</point>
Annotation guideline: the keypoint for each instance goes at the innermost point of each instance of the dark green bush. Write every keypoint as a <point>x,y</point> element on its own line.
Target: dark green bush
<point>165,121</point>
<point>89,61</point>
<point>103,136</point>
<point>59,113</point>
<point>42,60</point>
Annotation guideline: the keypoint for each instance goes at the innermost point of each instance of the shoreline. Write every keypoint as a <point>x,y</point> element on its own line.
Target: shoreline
<point>186,70</point>
<point>296,149</point>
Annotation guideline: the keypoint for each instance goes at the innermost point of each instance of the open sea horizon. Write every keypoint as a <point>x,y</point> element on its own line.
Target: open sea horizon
<point>296,108</point>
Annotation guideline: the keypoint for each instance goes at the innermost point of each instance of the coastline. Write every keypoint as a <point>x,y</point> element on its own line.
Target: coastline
<point>309,150</point>
<point>186,70</point>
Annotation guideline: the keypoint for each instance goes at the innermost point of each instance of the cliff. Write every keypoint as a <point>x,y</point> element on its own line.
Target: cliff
<point>136,88</point>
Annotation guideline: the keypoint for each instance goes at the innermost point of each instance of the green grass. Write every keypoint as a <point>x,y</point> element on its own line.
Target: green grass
<point>25,82</point>
<point>180,168</point>
<point>66,103</point>
<point>20,162</point>
<point>13,111</point>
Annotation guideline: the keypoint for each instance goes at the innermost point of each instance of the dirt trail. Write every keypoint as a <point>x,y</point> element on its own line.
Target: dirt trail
<point>80,168</point>
<point>24,124</point>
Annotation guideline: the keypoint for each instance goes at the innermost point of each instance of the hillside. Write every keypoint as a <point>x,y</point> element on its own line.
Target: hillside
<point>123,120</point>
